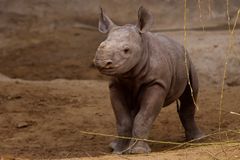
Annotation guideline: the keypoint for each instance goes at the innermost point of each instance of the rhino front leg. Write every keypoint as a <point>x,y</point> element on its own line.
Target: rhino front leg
<point>152,99</point>
<point>121,109</point>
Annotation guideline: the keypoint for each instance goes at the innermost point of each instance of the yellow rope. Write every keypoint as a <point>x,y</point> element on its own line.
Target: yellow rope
<point>185,50</point>
<point>128,138</point>
<point>168,142</point>
<point>230,47</point>
<point>206,136</point>
<point>235,113</point>
<point>209,9</point>
<point>228,17</point>
<point>200,14</point>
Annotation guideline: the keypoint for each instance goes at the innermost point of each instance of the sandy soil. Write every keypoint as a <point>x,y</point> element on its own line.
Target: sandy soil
<point>44,119</point>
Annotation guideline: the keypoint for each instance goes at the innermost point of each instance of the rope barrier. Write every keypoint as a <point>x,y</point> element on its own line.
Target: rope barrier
<point>190,143</point>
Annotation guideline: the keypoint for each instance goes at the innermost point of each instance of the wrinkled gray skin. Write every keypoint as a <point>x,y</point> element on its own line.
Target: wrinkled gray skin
<point>148,73</point>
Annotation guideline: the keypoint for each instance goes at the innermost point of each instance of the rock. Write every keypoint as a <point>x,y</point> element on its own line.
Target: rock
<point>23,125</point>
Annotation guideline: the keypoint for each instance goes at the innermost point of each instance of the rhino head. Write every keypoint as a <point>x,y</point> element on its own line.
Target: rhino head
<point>123,47</point>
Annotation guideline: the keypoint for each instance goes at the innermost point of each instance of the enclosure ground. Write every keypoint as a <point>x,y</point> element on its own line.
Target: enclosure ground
<point>44,120</point>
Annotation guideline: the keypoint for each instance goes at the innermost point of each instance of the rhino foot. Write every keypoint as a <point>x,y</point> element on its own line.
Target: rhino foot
<point>119,145</point>
<point>197,134</point>
<point>139,148</point>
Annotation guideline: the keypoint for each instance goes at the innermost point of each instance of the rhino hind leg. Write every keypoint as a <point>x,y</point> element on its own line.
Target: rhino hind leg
<point>186,114</point>
<point>187,109</point>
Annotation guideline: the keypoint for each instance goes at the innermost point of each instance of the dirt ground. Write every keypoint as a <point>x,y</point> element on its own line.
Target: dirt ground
<point>45,120</point>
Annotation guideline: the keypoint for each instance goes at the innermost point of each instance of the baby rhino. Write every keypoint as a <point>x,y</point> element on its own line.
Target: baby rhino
<point>148,72</point>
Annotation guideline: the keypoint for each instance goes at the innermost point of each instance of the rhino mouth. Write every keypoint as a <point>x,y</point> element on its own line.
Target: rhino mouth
<point>109,72</point>
<point>113,70</point>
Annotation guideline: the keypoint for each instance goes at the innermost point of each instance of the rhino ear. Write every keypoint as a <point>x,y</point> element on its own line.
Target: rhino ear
<point>105,23</point>
<point>145,20</point>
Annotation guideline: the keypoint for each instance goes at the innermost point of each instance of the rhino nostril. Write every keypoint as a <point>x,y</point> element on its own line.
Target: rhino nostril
<point>108,64</point>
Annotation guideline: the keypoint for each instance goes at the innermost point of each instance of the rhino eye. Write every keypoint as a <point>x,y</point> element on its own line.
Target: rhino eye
<point>126,50</point>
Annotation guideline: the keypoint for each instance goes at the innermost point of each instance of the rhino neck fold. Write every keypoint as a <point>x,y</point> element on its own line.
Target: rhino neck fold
<point>141,68</point>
